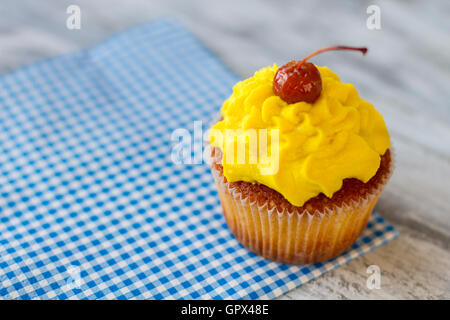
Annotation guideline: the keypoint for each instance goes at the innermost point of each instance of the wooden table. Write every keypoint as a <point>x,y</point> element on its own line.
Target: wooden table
<point>406,75</point>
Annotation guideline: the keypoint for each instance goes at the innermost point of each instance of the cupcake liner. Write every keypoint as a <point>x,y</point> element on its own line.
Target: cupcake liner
<point>294,236</point>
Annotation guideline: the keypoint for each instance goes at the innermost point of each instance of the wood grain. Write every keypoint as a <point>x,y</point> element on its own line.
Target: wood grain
<point>406,75</point>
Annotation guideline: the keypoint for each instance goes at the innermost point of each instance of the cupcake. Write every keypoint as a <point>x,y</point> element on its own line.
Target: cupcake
<point>300,161</point>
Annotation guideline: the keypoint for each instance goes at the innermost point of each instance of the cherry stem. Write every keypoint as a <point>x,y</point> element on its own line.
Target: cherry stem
<point>363,50</point>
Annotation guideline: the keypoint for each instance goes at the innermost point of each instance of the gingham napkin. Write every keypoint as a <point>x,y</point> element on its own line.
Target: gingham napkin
<point>92,205</point>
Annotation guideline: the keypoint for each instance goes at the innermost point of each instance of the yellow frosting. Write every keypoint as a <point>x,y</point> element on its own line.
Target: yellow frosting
<point>338,136</point>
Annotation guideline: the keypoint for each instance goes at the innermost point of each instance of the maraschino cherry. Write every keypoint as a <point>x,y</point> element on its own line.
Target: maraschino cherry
<point>300,80</point>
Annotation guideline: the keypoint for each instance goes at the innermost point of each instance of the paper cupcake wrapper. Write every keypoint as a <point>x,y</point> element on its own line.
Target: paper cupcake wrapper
<point>295,237</point>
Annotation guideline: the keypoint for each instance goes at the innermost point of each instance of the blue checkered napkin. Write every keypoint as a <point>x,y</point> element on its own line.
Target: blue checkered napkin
<point>91,204</point>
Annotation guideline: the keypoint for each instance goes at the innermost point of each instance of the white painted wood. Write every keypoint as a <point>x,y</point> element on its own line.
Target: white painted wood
<point>406,75</point>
